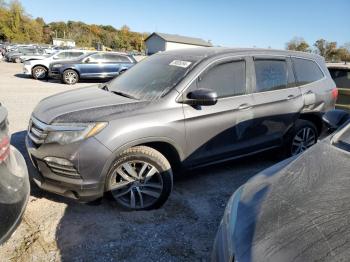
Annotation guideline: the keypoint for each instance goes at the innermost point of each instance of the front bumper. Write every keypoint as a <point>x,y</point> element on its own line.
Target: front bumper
<point>54,74</point>
<point>14,193</point>
<point>27,69</point>
<point>88,159</point>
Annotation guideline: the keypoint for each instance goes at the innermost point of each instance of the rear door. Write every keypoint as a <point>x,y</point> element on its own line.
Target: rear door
<point>115,64</point>
<point>341,77</point>
<point>277,100</point>
<point>315,88</point>
<point>221,130</point>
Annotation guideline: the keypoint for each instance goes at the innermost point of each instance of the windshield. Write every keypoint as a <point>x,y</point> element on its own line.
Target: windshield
<point>152,78</point>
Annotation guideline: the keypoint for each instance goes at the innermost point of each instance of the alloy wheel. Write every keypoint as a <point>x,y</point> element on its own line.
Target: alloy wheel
<point>305,138</point>
<point>135,184</point>
<point>70,77</point>
<point>40,73</point>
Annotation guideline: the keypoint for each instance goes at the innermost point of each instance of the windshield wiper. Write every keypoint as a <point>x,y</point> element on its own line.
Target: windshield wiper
<point>124,94</point>
<point>105,87</point>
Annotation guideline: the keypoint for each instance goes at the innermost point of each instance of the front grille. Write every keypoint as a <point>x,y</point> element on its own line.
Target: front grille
<point>36,131</point>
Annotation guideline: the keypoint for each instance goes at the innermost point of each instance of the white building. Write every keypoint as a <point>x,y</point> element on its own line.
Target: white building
<point>63,42</point>
<point>158,42</point>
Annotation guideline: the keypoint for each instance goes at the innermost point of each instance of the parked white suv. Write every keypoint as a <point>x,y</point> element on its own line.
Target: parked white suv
<point>39,69</point>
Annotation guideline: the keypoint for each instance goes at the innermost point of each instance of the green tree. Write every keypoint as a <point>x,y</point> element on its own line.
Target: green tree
<point>298,44</point>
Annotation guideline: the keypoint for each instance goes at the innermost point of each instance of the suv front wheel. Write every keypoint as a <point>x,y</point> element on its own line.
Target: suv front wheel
<point>140,179</point>
<point>70,77</point>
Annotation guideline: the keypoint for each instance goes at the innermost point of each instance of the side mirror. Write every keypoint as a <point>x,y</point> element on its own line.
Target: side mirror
<point>201,97</point>
<point>55,57</point>
<point>334,119</point>
<point>87,60</point>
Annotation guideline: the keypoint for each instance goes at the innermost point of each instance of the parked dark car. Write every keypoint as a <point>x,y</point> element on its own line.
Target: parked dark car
<point>296,210</point>
<point>97,65</point>
<point>14,182</point>
<point>340,73</point>
<point>185,108</point>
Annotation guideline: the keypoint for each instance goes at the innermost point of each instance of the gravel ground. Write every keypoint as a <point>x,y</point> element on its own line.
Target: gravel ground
<point>58,229</point>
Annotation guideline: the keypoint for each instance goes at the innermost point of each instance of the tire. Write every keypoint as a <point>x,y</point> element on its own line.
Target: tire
<point>39,72</point>
<point>17,60</point>
<point>140,179</point>
<point>303,135</point>
<point>70,77</point>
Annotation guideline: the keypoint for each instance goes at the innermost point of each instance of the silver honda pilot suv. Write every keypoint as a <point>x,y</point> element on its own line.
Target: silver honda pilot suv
<point>177,109</point>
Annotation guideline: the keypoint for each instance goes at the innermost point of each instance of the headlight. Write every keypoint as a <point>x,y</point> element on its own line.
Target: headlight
<point>66,134</point>
<point>56,65</point>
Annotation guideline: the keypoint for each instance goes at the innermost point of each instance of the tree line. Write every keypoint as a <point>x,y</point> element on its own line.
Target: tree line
<point>328,49</point>
<point>19,27</point>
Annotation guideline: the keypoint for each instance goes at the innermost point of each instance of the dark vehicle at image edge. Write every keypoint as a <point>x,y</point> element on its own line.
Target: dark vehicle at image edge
<point>296,210</point>
<point>14,182</point>
<point>98,65</point>
<point>340,73</point>
<point>177,109</point>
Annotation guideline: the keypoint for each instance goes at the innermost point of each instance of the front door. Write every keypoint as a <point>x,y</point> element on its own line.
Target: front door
<point>221,130</point>
<point>93,66</point>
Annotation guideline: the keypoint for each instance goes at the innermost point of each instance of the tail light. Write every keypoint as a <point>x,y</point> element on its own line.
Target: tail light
<point>335,93</point>
<point>4,148</point>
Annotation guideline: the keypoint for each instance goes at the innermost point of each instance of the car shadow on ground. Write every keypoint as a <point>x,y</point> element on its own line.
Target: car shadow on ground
<point>57,81</point>
<point>182,230</point>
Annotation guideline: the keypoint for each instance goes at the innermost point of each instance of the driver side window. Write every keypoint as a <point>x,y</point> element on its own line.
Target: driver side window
<point>96,58</point>
<point>226,79</point>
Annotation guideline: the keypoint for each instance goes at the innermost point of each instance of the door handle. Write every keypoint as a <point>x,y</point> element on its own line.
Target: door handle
<point>290,97</point>
<point>244,106</point>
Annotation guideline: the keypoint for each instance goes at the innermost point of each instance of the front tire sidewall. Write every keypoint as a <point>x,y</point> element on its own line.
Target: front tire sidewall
<point>64,77</point>
<point>164,169</point>
<point>37,68</point>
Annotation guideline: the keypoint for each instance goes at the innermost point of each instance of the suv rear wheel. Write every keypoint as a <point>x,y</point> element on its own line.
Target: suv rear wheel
<point>70,77</point>
<point>303,135</point>
<point>140,179</point>
<point>39,72</point>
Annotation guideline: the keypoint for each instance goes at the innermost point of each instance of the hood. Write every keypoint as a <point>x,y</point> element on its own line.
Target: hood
<point>87,104</point>
<point>298,213</point>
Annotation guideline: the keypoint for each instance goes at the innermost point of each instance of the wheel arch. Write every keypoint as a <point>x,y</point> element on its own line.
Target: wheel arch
<point>71,68</point>
<point>165,146</point>
<point>315,118</point>
<point>40,65</point>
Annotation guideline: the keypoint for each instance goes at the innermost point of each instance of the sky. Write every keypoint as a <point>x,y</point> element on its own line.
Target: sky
<point>245,23</point>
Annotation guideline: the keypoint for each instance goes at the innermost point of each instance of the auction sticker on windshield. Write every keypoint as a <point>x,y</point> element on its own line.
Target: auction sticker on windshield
<point>180,63</point>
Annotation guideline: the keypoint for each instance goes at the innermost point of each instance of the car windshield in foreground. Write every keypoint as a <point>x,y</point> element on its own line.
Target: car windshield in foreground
<point>152,78</point>
<point>343,140</point>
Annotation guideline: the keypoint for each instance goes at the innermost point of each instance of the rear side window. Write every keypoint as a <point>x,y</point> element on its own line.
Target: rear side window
<point>116,58</point>
<point>341,77</point>
<point>306,71</point>
<point>227,79</point>
<point>271,75</point>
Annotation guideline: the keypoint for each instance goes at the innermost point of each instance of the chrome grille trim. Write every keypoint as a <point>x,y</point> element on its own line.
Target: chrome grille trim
<point>38,131</point>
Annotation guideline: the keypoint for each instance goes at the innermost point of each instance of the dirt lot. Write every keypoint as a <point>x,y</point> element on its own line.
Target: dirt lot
<point>59,229</point>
